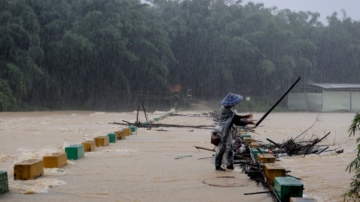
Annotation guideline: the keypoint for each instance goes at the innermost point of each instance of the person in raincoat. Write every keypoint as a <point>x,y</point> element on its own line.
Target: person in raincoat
<point>225,127</point>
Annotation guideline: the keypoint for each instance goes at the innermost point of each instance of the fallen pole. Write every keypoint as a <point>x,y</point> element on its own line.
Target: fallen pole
<point>213,150</point>
<point>314,143</point>
<point>260,192</point>
<point>282,97</point>
<point>276,144</point>
<point>140,125</point>
<point>323,150</point>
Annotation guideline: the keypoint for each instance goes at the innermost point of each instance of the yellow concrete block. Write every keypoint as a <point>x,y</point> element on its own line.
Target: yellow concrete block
<point>299,199</point>
<point>254,144</point>
<point>120,135</point>
<point>248,139</point>
<point>265,158</point>
<point>101,141</point>
<point>28,169</point>
<point>89,146</point>
<point>242,131</point>
<point>127,131</point>
<point>56,160</point>
<point>272,170</point>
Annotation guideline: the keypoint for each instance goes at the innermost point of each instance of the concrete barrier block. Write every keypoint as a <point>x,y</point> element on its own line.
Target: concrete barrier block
<point>265,158</point>
<point>272,170</point>
<point>254,144</point>
<point>287,187</point>
<point>112,137</point>
<point>248,139</point>
<point>256,151</point>
<point>75,151</point>
<point>28,169</point>
<point>245,135</point>
<point>133,130</point>
<point>56,160</point>
<point>127,131</point>
<point>120,135</point>
<point>101,141</point>
<point>89,145</point>
<point>4,182</point>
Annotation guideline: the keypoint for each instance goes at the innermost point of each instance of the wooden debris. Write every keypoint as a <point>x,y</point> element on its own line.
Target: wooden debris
<point>140,125</point>
<point>213,150</point>
<point>180,157</point>
<point>293,148</point>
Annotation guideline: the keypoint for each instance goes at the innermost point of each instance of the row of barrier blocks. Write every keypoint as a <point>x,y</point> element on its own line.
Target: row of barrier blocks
<point>4,182</point>
<point>288,189</point>
<point>162,117</point>
<point>33,168</point>
<point>76,151</point>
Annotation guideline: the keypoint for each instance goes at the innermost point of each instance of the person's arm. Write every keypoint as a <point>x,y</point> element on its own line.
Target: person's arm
<point>248,116</point>
<point>239,120</point>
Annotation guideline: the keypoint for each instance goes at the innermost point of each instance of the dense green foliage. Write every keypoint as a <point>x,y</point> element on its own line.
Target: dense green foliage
<point>353,193</point>
<point>113,54</point>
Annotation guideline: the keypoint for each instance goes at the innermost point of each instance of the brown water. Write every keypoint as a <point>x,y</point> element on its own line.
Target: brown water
<point>142,167</point>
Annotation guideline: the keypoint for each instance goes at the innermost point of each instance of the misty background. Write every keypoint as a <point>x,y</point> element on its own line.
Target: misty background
<point>116,54</point>
<point>324,7</point>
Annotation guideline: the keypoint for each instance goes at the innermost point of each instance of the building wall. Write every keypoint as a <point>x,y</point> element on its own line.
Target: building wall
<point>296,102</point>
<point>355,101</point>
<point>334,101</point>
<point>314,102</point>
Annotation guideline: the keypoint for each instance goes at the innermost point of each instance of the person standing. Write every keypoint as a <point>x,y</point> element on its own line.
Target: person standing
<point>225,126</point>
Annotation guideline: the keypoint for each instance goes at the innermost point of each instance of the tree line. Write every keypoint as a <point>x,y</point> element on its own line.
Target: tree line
<point>110,54</point>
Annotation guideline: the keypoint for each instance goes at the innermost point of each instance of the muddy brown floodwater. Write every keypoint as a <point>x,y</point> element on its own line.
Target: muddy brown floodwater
<point>143,166</point>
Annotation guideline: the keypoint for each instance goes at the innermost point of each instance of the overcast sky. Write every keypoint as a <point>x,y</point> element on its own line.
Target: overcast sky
<point>324,7</point>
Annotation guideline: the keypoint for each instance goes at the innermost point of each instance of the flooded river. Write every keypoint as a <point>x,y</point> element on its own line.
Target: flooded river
<point>143,167</point>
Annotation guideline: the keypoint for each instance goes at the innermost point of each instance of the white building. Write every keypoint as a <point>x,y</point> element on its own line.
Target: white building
<point>326,97</point>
